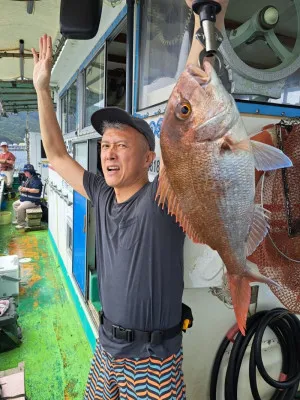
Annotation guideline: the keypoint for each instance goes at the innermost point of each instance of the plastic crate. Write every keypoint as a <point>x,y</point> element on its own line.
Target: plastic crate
<point>10,331</point>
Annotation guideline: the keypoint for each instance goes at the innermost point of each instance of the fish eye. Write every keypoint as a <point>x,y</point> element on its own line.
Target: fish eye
<point>183,110</point>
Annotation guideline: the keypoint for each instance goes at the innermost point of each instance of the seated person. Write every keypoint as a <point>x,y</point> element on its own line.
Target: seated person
<point>30,195</point>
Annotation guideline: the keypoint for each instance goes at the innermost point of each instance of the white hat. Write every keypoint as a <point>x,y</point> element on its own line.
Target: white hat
<point>3,144</point>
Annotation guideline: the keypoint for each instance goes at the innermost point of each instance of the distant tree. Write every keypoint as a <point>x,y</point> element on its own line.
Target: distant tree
<point>13,127</point>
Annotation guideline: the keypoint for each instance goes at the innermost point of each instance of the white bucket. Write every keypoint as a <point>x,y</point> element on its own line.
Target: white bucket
<point>9,276</point>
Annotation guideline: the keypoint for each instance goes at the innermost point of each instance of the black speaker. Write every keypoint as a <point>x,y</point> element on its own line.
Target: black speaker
<point>79,19</point>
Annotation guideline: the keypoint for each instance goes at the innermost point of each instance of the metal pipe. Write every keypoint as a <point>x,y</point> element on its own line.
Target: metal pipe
<point>30,6</point>
<point>4,54</point>
<point>21,59</point>
<point>129,54</point>
<point>209,33</point>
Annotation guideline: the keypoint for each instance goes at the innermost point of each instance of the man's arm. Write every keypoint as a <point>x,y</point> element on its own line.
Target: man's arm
<point>8,161</point>
<point>25,189</point>
<point>51,133</point>
<point>11,160</point>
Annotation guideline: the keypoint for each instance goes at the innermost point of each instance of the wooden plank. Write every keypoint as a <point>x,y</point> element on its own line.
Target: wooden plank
<point>35,210</point>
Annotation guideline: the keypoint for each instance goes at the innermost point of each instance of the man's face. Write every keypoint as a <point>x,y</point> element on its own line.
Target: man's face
<point>4,149</point>
<point>125,157</point>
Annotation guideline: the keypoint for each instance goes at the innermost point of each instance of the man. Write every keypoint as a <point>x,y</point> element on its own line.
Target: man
<point>7,161</point>
<point>139,250</point>
<point>30,195</point>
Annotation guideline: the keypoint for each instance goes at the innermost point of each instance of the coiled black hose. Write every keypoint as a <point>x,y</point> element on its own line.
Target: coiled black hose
<point>286,327</point>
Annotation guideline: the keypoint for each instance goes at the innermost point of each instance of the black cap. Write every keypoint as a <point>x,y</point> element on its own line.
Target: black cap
<point>115,114</point>
<point>29,168</point>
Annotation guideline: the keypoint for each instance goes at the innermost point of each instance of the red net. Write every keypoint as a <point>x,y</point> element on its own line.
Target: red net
<point>278,257</point>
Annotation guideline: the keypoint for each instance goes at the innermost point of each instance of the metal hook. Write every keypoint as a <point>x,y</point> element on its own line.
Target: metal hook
<point>211,42</point>
<point>215,57</point>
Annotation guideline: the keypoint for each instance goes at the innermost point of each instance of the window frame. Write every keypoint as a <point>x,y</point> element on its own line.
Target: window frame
<point>158,106</point>
<point>83,72</point>
<point>65,97</point>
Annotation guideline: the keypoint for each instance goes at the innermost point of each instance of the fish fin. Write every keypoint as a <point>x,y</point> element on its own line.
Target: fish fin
<point>268,158</point>
<point>165,196</point>
<point>240,291</point>
<point>258,230</point>
<point>255,276</point>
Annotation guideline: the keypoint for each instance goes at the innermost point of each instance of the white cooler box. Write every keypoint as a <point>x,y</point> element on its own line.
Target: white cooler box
<point>9,276</point>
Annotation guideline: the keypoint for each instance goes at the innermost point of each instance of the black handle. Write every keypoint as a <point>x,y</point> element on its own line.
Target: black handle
<point>206,9</point>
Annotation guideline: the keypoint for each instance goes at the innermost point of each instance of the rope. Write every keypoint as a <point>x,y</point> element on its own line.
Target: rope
<point>223,292</point>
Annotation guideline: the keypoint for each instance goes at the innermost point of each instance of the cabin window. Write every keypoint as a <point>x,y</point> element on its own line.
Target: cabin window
<point>116,68</point>
<point>63,116</point>
<point>165,39</point>
<point>81,154</point>
<point>68,109</point>
<point>72,97</point>
<point>94,86</point>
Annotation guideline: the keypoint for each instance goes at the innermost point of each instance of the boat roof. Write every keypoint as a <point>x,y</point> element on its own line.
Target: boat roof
<point>23,21</point>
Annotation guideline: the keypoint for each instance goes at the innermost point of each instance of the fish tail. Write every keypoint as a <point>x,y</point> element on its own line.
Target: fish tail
<point>240,294</point>
<point>240,290</point>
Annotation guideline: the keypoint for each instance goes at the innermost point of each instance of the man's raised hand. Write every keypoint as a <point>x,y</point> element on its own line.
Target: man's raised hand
<point>42,64</point>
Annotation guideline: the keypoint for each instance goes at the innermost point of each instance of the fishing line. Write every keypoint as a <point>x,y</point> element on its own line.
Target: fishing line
<point>223,292</point>
<point>215,275</point>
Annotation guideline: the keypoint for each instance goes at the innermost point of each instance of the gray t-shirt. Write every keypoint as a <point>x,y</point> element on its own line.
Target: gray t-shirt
<point>139,250</point>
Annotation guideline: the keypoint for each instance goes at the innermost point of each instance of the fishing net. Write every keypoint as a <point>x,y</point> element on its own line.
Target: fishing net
<point>278,256</point>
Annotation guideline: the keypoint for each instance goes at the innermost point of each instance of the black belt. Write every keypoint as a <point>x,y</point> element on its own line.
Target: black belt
<point>130,335</point>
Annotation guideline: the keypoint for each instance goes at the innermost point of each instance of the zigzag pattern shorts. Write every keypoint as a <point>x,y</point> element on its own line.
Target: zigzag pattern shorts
<point>135,378</point>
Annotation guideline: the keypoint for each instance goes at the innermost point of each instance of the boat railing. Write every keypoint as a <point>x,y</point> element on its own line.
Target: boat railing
<point>60,193</point>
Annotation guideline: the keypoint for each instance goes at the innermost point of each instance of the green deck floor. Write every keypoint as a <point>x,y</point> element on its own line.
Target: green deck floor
<point>55,349</point>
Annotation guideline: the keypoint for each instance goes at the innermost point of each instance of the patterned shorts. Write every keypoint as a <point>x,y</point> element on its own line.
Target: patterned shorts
<point>135,378</point>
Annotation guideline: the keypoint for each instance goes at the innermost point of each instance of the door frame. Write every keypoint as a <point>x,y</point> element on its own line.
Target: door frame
<point>84,290</point>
